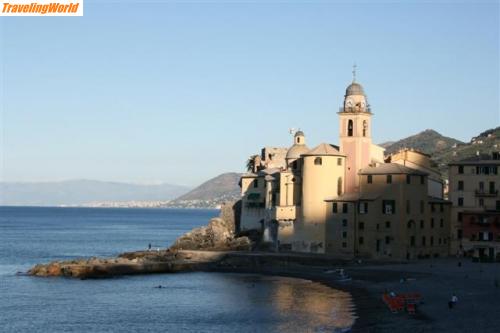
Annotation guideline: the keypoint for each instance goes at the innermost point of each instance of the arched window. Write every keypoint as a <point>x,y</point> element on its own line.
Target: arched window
<point>318,161</point>
<point>365,127</point>
<point>339,186</point>
<point>298,140</point>
<point>294,165</point>
<point>349,127</point>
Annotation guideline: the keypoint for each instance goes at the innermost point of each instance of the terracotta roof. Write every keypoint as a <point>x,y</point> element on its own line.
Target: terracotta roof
<point>390,168</point>
<point>324,149</point>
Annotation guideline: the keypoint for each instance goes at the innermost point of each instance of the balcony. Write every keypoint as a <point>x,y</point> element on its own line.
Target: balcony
<point>484,193</point>
<point>354,109</point>
<point>284,213</point>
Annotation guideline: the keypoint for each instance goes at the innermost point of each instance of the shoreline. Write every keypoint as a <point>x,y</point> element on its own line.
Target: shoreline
<point>435,279</point>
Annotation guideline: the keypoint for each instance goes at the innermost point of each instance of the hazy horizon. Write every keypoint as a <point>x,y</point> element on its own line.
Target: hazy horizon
<point>168,92</point>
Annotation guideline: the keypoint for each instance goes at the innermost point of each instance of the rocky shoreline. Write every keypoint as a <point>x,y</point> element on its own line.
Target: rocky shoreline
<point>217,248</point>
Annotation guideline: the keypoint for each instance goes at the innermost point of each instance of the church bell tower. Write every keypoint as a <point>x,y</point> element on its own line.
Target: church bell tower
<point>355,133</point>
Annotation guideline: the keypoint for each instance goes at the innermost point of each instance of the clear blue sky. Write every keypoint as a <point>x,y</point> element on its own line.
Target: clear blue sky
<point>159,91</point>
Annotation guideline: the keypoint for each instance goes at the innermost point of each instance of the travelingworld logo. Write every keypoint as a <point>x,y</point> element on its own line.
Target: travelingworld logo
<point>41,8</point>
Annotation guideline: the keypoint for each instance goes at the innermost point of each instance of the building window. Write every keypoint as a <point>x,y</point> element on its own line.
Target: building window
<point>365,127</point>
<point>408,208</point>
<point>363,208</point>
<point>422,180</point>
<point>481,186</point>
<point>432,223</point>
<point>339,161</point>
<point>441,208</point>
<point>378,226</point>
<point>256,183</point>
<point>460,185</point>
<point>492,188</point>
<point>409,224</point>
<point>387,239</point>
<point>318,161</point>
<point>369,179</point>
<point>422,206</point>
<point>388,207</point>
<point>441,223</point>
<point>459,217</point>
<point>408,179</point>
<point>481,202</point>
<point>387,224</point>
<point>431,240</point>
<point>459,234</point>
<point>421,224</point>
<point>294,165</point>
<point>423,240</point>
<point>439,240</point>
<point>344,208</point>
<point>389,179</point>
<point>412,240</point>
<point>378,245</point>
<point>361,240</point>
<point>460,202</point>
<point>349,127</point>
<point>361,226</point>
<point>344,234</point>
<point>298,140</point>
<point>334,207</point>
<point>344,244</point>
<point>339,186</point>
<point>433,208</point>
<point>460,169</point>
<point>344,223</point>
<point>498,204</point>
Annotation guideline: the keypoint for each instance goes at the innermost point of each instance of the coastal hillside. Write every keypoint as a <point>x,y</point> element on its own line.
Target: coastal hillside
<point>428,141</point>
<point>83,192</point>
<point>211,193</point>
<point>445,150</point>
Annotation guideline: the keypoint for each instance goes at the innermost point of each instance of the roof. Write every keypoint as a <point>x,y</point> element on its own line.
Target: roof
<point>391,168</point>
<point>350,197</point>
<point>299,133</point>
<point>354,89</point>
<point>439,200</point>
<point>323,149</point>
<point>296,150</point>
<point>476,161</point>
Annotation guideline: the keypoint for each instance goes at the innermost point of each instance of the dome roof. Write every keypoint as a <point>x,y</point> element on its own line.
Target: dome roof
<point>299,133</point>
<point>354,89</point>
<point>296,150</point>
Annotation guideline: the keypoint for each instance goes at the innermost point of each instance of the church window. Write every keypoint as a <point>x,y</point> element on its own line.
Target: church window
<point>369,179</point>
<point>256,183</point>
<point>408,179</point>
<point>365,127</point>
<point>350,127</point>
<point>298,140</point>
<point>344,208</point>
<point>339,161</point>
<point>389,179</point>
<point>334,207</point>
<point>339,186</point>
<point>318,161</point>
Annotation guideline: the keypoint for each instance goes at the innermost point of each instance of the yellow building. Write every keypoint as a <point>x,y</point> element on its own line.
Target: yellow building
<point>347,200</point>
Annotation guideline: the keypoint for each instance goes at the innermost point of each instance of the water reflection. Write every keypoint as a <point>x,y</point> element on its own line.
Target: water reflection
<point>293,305</point>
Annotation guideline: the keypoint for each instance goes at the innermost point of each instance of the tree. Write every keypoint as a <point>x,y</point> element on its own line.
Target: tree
<point>251,163</point>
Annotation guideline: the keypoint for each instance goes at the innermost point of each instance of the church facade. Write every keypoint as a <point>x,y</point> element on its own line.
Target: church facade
<point>347,200</point>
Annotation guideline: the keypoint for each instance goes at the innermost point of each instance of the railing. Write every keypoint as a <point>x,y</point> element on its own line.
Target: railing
<point>483,193</point>
<point>354,109</point>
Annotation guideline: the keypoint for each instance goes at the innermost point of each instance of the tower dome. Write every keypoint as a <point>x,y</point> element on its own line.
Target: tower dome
<point>354,89</point>
<point>299,146</point>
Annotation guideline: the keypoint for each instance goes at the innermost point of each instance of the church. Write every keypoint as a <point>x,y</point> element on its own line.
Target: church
<point>347,200</point>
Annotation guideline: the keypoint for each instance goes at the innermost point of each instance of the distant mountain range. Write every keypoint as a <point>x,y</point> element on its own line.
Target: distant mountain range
<point>211,193</point>
<point>82,192</point>
<point>218,189</point>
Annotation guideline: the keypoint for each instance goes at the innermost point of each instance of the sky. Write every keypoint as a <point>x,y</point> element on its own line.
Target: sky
<point>179,92</point>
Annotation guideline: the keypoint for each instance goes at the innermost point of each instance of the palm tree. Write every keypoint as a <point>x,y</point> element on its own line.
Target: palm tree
<point>251,163</point>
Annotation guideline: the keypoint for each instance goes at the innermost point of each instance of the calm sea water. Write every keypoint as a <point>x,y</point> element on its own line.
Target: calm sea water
<point>191,302</point>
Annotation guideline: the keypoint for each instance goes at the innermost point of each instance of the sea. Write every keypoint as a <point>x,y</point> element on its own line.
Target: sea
<point>189,302</point>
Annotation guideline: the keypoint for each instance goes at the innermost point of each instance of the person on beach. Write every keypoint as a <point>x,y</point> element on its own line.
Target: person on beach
<point>453,301</point>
